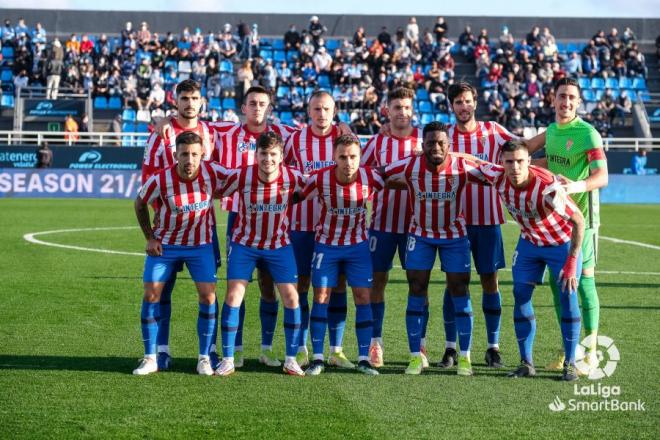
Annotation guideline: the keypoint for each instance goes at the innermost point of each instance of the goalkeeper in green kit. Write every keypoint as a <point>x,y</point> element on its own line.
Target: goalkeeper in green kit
<point>574,150</point>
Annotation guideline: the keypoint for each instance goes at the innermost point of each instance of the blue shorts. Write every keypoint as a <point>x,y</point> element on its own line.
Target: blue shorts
<point>241,261</point>
<point>383,245</point>
<point>454,253</point>
<point>200,261</point>
<point>529,261</point>
<point>354,261</point>
<point>487,248</point>
<point>303,248</point>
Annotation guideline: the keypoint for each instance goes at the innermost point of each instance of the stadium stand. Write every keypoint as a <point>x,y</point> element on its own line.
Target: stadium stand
<point>137,70</point>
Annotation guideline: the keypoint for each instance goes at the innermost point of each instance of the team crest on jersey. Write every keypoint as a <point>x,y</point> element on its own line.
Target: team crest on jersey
<point>451,180</point>
<point>247,146</point>
<point>569,144</point>
<point>365,192</point>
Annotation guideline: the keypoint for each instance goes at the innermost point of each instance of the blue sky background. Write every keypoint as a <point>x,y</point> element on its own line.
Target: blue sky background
<point>547,8</point>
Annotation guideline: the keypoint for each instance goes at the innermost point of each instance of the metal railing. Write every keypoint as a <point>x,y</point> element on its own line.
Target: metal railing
<point>72,139</point>
<point>140,139</point>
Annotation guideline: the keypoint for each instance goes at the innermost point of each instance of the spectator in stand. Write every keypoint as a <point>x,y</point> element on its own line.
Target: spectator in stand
<point>292,39</point>
<point>316,29</point>
<point>412,31</point>
<point>8,34</point>
<point>86,45</point>
<point>44,156</point>
<point>230,115</point>
<point>227,46</point>
<point>385,40</point>
<point>628,37</point>
<point>590,62</point>
<point>307,49</point>
<point>322,61</point>
<point>156,98</point>
<point>70,129</point>
<point>20,80</point>
<point>116,129</point>
<point>600,41</point>
<point>573,65</point>
<point>84,123</point>
<point>440,29</point>
<point>244,78</point>
<point>623,107</point>
<point>600,120</point>
<point>467,42</point>
<point>143,35</point>
<point>638,165</point>
<point>54,68</point>
<point>481,48</point>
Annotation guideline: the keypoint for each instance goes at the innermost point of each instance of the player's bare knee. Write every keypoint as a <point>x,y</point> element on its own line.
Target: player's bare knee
<point>289,295</point>
<point>322,294</point>
<point>489,282</point>
<point>361,295</point>
<point>152,292</point>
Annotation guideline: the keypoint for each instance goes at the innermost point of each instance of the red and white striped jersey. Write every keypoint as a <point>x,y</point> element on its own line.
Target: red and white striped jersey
<point>308,153</point>
<point>236,147</point>
<point>481,203</point>
<point>391,211</point>
<point>343,206</point>
<point>263,207</point>
<point>184,208</point>
<point>544,219</point>
<point>159,152</point>
<point>435,196</point>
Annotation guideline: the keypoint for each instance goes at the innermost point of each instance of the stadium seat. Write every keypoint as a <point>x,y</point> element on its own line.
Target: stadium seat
<point>425,106</point>
<point>6,76</point>
<point>625,83</point>
<point>426,118</point>
<point>282,91</point>
<point>632,94</point>
<point>214,103</point>
<point>226,66</point>
<point>332,44</point>
<point>344,117</point>
<point>442,117</point>
<point>292,56</point>
<point>645,95</point>
<point>584,82</point>
<point>324,82</point>
<point>279,56</point>
<point>286,117</point>
<point>308,91</point>
<point>142,127</point>
<point>128,115</point>
<point>128,127</point>
<point>8,53</point>
<point>7,101</point>
<point>278,44</point>
<point>599,94</point>
<point>229,103</point>
<point>100,103</point>
<point>639,84</point>
<point>266,54</point>
<point>571,47</point>
<point>265,42</point>
<point>561,48</point>
<point>114,103</point>
<point>422,94</point>
<point>598,83</point>
<point>612,83</point>
<point>127,141</point>
<point>171,64</point>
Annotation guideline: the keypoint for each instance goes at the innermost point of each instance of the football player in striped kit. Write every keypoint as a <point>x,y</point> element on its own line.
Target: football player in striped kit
<point>182,232</point>
<point>341,242</point>
<point>260,236</point>
<point>552,231</point>
<point>390,213</point>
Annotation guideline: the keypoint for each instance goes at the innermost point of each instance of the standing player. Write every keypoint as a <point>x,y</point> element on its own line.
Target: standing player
<point>310,150</point>
<point>435,183</point>
<point>260,235</point>
<point>160,154</point>
<point>341,244</point>
<point>574,149</point>
<point>235,147</point>
<point>483,217</point>
<point>390,213</point>
<point>182,233</point>
<point>552,228</point>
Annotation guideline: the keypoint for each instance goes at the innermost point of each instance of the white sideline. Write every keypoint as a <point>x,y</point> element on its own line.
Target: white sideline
<point>30,237</point>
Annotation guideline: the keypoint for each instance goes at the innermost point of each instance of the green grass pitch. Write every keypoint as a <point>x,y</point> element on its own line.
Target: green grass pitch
<point>70,336</point>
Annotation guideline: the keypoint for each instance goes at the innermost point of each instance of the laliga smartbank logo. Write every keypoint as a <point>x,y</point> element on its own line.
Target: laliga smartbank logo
<point>596,366</point>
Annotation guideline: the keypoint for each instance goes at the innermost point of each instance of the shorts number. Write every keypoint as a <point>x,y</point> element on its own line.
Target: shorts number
<point>514,258</point>
<point>373,242</point>
<point>411,243</point>
<point>318,257</point>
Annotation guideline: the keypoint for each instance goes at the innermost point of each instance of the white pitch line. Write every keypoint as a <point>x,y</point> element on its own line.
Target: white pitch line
<point>30,237</point>
<point>605,272</point>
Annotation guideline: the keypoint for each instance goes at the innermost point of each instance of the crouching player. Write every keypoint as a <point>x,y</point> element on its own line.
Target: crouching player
<point>552,228</point>
<point>260,236</point>
<point>341,242</point>
<point>182,233</point>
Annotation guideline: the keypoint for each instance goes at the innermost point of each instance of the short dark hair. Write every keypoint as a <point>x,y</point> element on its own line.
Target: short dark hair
<point>345,139</point>
<point>513,145</point>
<point>400,93</point>
<point>257,89</point>
<point>188,85</point>
<point>567,81</point>
<point>459,88</point>
<point>319,93</point>
<point>434,126</point>
<point>188,138</point>
<point>270,139</point>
